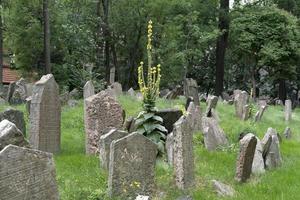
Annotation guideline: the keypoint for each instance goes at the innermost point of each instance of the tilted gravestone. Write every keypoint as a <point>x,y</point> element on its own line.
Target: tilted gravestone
<point>258,165</point>
<point>212,102</point>
<point>88,89</point>
<point>288,110</point>
<point>16,117</point>
<point>241,100</point>
<point>102,111</point>
<point>245,157</point>
<point>27,174</point>
<point>260,113</point>
<point>132,166</point>
<point>19,93</point>
<point>104,145</point>
<point>10,134</point>
<point>271,154</point>
<point>214,136</point>
<point>45,113</point>
<point>191,90</point>
<point>183,153</point>
<point>287,133</point>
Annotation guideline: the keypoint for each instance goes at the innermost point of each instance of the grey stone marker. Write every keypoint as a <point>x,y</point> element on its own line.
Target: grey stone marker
<point>170,148</point>
<point>258,165</point>
<point>117,88</point>
<point>260,113</point>
<point>245,158</point>
<point>27,174</point>
<point>287,133</point>
<point>212,102</point>
<point>88,89</point>
<point>195,117</point>
<point>191,90</point>
<point>241,100</point>
<point>45,115</point>
<point>183,153</point>
<point>214,136</point>
<point>132,167</point>
<point>16,117</point>
<point>19,93</point>
<point>131,92</point>
<point>10,134</point>
<point>272,155</point>
<point>222,189</point>
<point>102,111</point>
<point>288,110</point>
<point>104,145</point>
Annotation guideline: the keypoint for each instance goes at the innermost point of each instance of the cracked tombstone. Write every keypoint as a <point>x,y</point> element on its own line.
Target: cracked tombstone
<point>183,153</point>
<point>102,111</point>
<point>27,174</point>
<point>260,113</point>
<point>245,157</point>
<point>45,115</point>
<point>132,167</point>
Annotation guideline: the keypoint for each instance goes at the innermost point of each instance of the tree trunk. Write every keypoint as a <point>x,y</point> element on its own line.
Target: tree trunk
<point>46,37</point>
<point>221,46</point>
<point>282,90</point>
<point>105,4</point>
<point>1,47</point>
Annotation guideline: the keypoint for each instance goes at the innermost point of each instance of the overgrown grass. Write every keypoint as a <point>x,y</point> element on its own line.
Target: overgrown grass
<point>80,177</point>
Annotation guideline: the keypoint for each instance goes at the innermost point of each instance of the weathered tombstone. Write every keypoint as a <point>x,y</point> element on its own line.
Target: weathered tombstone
<point>288,110</point>
<point>258,165</point>
<point>272,150</point>
<point>183,153</point>
<point>10,91</point>
<point>245,158</point>
<point>241,100</point>
<point>191,90</point>
<point>19,93</point>
<point>164,92</point>
<point>174,93</point>
<point>104,145</point>
<point>214,136</point>
<point>212,102</point>
<point>10,134</point>
<point>195,117</point>
<point>45,115</point>
<point>16,117</point>
<point>88,89</point>
<point>169,116</point>
<point>260,113</point>
<point>64,98</point>
<point>287,133</point>
<point>170,148</point>
<point>132,166</point>
<point>128,123</point>
<point>117,88</point>
<point>102,111</point>
<point>27,174</point>
<point>222,189</point>
<point>226,96</point>
<point>131,92</point>
<point>75,94</point>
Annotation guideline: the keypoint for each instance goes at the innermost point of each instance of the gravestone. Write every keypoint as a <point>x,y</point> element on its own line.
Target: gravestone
<point>241,100</point>
<point>10,91</point>
<point>194,117</point>
<point>183,153</point>
<point>16,117</point>
<point>131,92</point>
<point>288,110</point>
<point>19,93</point>
<point>45,115</point>
<point>191,90</point>
<point>287,133</point>
<point>169,116</point>
<point>132,167</point>
<point>88,89</point>
<point>117,88</point>
<point>214,136</point>
<point>170,148</point>
<point>102,111</point>
<point>222,189</point>
<point>10,134</point>
<point>258,165</point>
<point>104,145</point>
<point>272,149</point>
<point>27,174</point>
<point>212,102</point>
<point>173,94</point>
<point>75,94</point>
<point>245,158</point>
<point>260,113</point>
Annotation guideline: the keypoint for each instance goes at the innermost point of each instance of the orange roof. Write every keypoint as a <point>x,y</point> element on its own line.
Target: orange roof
<point>9,75</point>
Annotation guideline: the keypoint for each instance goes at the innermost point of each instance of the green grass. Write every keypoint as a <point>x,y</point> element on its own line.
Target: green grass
<point>80,177</point>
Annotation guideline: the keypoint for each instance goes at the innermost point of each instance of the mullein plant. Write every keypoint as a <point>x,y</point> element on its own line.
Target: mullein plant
<point>148,123</point>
